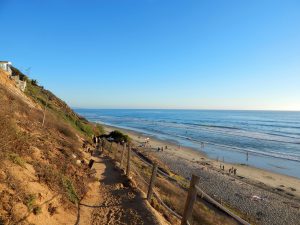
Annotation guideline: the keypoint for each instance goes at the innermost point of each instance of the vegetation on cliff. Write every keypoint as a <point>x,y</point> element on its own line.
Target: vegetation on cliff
<point>38,154</point>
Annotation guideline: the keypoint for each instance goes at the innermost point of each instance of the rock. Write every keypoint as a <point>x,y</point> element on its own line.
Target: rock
<point>119,186</point>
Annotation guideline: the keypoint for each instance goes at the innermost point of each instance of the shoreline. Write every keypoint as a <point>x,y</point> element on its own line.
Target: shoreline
<point>235,156</point>
<point>259,175</point>
<point>261,196</point>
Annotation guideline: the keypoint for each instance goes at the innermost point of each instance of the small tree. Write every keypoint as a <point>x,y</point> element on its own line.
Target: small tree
<point>119,137</point>
<point>34,82</point>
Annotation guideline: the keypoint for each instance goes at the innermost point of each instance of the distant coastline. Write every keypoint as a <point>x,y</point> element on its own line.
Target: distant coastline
<point>190,109</point>
<point>264,136</point>
<point>192,156</point>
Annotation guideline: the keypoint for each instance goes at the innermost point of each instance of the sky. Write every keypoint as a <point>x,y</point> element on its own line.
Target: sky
<point>178,54</point>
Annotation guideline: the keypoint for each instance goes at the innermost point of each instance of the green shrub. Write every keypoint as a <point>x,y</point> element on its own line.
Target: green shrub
<point>119,137</point>
<point>70,190</point>
<point>58,107</point>
<point>30,202</point>
<point>16,159</point>
<point>34,82</point>
<point>85,128</point>
<point>37,210</point>
<point>99,129</point>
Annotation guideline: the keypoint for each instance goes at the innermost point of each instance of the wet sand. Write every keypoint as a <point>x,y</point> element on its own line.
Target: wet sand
<point>262,196</point>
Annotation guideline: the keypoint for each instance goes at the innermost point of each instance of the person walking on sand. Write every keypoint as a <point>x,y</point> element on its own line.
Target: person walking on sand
<point>234,171</point>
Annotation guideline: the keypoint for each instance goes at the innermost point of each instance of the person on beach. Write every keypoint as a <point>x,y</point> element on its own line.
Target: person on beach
<point>162,149</point>
<point>166,147</point>
<point>202,145</point>
<point>158,149</point>
<point>234,171</point>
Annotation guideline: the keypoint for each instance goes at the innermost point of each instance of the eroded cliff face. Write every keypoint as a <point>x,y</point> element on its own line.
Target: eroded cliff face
<point>44,172</point>
<point>40,179</point>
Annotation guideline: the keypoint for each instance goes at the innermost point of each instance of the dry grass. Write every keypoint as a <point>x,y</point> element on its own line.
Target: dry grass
<point>21,131</point>
<point>12,141</point>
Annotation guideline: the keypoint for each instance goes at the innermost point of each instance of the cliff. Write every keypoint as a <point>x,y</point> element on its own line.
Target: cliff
<point>43,171</point>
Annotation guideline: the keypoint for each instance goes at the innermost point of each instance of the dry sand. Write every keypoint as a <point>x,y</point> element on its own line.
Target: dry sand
<point>271,179</point>
<point>278,195</point>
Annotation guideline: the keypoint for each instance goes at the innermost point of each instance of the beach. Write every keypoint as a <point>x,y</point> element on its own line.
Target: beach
<point>262,196</point>
<point>271,139</point>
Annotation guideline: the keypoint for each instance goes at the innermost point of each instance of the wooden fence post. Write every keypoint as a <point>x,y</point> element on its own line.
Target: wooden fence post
<point>115,152</point>
<point>191,198</point>
<point>123,153</point>
<point>128,161</point>
<point>152,182</point>
<point>102,145</point>
<point>91,163</point>
<point>110,151</point>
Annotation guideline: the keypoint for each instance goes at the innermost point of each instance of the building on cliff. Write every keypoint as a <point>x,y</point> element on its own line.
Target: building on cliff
<point>7,67</point>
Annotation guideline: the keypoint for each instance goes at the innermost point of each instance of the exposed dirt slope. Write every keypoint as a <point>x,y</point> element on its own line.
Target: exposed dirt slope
<point>43,170</point>
<point>119,202</point>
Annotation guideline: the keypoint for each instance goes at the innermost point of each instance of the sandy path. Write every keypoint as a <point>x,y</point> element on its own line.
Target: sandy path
<point>113,201</point>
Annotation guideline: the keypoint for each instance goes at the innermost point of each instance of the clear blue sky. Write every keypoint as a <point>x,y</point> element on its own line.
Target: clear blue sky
<point>158,53</point>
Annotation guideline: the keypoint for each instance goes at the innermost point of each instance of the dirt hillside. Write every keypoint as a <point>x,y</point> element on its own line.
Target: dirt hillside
<point>44,177</point>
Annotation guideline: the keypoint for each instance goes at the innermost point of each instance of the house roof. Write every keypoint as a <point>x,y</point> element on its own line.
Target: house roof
<point>5,62</point>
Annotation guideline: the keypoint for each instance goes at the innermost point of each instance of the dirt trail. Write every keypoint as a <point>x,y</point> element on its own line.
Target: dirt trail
<point>113,202</point>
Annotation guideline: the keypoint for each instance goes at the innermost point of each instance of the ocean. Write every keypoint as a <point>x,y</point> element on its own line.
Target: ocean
<point>271,138</point>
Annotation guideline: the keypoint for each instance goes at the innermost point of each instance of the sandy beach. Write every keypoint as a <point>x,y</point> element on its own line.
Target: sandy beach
<point>262,196</point>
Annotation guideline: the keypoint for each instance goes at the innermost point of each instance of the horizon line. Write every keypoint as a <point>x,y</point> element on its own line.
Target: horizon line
<point>190,109</point>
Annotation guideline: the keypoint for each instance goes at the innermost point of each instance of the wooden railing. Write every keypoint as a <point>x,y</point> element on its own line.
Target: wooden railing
<point>194,190</point>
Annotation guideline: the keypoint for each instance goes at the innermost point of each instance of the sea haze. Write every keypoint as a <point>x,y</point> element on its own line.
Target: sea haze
<point>271,138</point>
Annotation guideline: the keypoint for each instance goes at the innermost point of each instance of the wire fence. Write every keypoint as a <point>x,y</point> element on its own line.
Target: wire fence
<point>121,153</point>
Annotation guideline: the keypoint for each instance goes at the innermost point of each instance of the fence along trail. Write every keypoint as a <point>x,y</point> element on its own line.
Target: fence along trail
<point>193,191</point>
<point>200,192</point>
<point>118,202</point>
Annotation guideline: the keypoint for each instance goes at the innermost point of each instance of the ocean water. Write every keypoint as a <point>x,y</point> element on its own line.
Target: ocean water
<point>271,138</point>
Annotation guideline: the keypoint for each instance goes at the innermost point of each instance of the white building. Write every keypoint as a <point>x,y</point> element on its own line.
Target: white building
<point>5,65</point>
